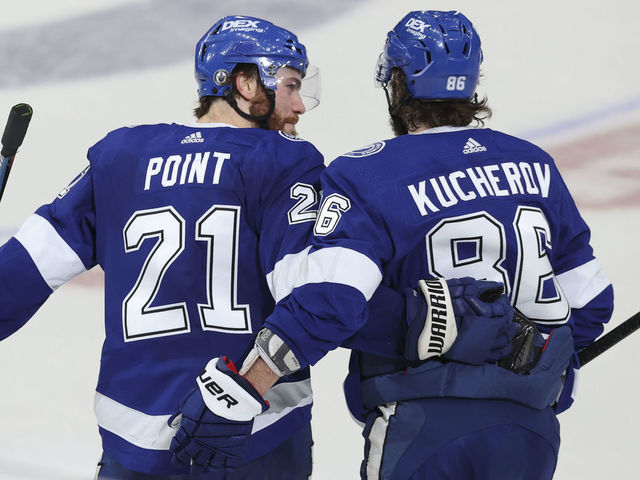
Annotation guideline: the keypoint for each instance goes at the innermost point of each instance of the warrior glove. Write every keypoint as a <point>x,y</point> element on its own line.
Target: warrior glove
<point>461,319</point>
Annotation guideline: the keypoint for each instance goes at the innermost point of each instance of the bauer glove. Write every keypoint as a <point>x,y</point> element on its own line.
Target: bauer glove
<point>215,419</point>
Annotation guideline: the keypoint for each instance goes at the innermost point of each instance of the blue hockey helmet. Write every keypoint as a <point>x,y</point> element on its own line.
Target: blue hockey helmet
<point>238,39</point>
<point>439,53</point>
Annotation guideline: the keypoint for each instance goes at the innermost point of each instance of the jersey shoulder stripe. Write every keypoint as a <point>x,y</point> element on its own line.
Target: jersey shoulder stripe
<point>55,259</point>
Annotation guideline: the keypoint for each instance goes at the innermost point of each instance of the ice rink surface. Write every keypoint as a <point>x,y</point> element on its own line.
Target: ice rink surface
<point>561,74</point>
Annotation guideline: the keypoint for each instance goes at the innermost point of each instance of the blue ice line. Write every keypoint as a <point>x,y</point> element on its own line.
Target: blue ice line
<point>584,120</point>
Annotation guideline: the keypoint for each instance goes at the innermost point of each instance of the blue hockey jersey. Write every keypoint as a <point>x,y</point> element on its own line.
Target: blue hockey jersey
<point>187,222</point>
<point>448,202</point>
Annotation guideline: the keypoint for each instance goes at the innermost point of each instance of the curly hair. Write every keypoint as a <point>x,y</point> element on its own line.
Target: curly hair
<point>409,114</point>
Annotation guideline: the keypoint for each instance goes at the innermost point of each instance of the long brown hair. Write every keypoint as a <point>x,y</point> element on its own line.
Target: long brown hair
<point>408,114</point>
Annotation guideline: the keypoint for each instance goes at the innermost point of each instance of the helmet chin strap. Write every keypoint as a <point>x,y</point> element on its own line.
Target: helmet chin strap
<point>261,120</point>
<point>393,110</point>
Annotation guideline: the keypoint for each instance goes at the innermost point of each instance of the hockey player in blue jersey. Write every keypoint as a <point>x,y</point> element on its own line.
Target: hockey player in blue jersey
<point>187,221</point>
<point>444,199</point>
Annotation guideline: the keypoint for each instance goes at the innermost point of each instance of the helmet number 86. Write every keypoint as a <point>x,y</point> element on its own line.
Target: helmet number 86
<point>455,82</point>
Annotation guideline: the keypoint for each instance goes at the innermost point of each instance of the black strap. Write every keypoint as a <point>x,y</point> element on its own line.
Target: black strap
<point>393,110</point>
<point>261,120</point>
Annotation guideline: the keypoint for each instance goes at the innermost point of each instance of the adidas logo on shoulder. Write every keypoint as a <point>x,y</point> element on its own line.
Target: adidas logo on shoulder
<point>193,138</point>
<point>473,147</point>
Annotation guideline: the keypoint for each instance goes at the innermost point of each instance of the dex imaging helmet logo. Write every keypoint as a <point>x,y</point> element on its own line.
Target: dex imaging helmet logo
<point>244,25</point>
<point>416,27</point>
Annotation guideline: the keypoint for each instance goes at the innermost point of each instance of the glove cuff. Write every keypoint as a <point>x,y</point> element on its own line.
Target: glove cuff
<point>225,396</point>
<point>440,329</point>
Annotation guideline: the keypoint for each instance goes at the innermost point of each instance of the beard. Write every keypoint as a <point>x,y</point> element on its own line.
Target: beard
<point>260,106</point>
<point>277,122</point>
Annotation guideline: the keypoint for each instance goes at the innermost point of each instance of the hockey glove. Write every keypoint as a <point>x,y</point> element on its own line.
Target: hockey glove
<point>551,370</point>
<point>539,388</point>
<point>465,320</point>
<point>565,400</point>
<point>215,420</point>
<point>526,346</point>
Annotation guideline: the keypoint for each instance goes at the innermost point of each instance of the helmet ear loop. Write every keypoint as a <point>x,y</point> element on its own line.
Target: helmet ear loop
<point>261,120</point>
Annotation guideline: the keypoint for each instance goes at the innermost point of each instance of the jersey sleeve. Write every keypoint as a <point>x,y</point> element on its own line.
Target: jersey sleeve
<point>288,206</point>
<point>326,289</point>
<point>22,288</point>
<point>580,275</point>
<point>53,245</point>
<point>386,329</point>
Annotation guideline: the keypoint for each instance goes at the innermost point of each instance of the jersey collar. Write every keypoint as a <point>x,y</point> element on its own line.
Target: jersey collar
<point>205,125</point>
<point>443,129</point>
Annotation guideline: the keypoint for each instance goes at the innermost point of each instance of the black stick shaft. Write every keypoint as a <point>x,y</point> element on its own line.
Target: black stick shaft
<point>14,132</point>
<point>607,341</point>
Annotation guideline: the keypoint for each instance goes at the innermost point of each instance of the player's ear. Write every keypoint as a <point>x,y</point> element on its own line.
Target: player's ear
<point>246,85</point>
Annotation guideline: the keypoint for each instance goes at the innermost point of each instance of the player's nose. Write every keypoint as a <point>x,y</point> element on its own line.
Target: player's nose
<point>298,105</point>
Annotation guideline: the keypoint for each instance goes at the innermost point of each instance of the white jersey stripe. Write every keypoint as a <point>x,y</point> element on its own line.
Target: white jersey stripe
<point>55,259</point>
<point>377,438</point>
<point>333,264</point>
<point>283,398</point>
<point>145,431</point>
<point>153,433</point>
<point>282,279</point>
<point>582,284</point>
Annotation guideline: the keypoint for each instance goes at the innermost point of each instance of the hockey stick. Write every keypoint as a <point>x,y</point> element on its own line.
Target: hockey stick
<point>14,132</point>
<point>604,343</point>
